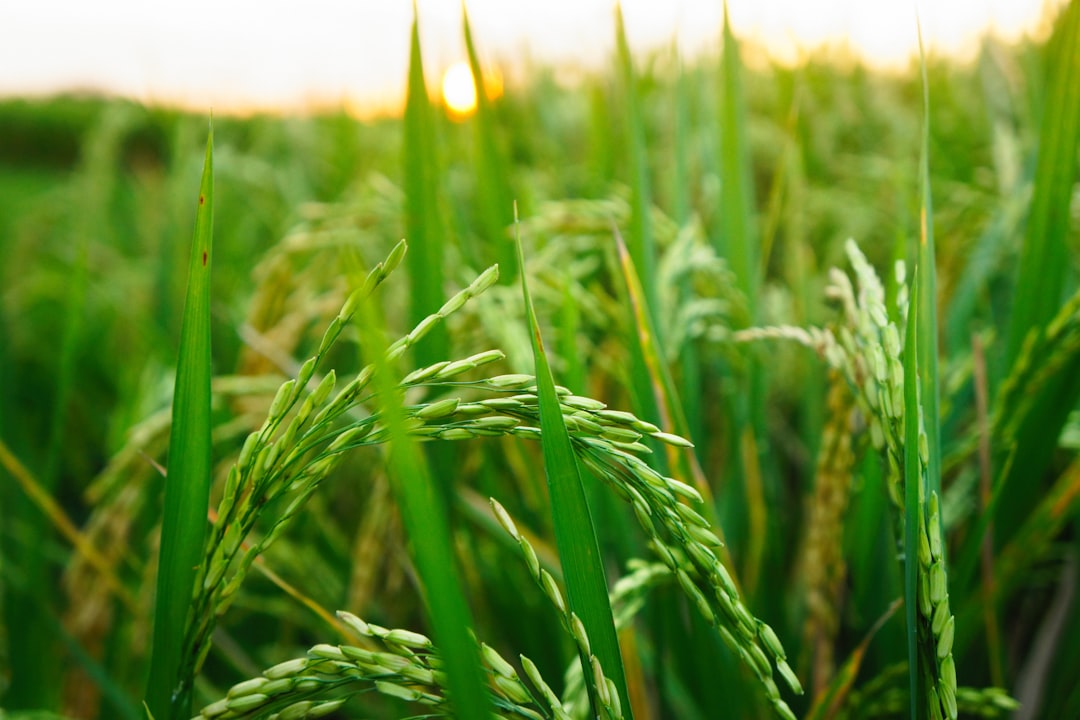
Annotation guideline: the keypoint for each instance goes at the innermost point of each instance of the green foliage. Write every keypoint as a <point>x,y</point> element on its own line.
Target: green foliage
<point>378,435</point>
<point>424,224</point>
<point>187,482</point>
<point>575,534</point>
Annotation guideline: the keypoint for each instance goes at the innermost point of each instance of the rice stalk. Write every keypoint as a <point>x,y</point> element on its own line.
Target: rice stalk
<point>603,695</point>
<point>919,683</point>
<point>884,696</point>
<point>641,245</point>
<point>681,537</point>
<point>822,564</point>
<point>665,394</point>
<point>923,461</point>
<point>866,350</point>
<point>1043,361</point>
<point>425,520</point>
<point>607,442</point>
<point>1045,356</point>
<point>397,663</point>
<point>299,443</point>
<point>1035,538</point>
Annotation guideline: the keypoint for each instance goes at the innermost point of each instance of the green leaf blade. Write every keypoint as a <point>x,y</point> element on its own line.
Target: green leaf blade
<point>575,535</point>
<point>927,328</point>
<point>912,506</point>
<point>737,217</point>
<point>496,196</point>
<point>423,222</point>
<point>425,520</point>
<point>641,242</point>
<point>1044,258</point>
<point>187,485</point>
<point>1044,267</point>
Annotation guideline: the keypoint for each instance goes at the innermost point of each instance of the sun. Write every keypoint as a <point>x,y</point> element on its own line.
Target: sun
<point>459,90</point>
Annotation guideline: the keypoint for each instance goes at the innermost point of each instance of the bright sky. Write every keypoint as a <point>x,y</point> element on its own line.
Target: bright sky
<point>282,54</point>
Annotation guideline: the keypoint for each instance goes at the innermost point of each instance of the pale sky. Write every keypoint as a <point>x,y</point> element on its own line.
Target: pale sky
<point>239,54</point>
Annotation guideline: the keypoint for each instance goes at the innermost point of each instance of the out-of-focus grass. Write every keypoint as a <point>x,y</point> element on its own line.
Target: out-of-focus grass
<point>748,179</point>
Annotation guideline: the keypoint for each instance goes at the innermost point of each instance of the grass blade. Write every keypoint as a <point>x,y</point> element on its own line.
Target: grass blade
<point>912,506</point>
<point>1044,259</point>
<point>641,243</point>
<point>689,362</point>
<point>423,224</point>
<point>187,486</point>
<point>47,505</point>
<point>828,703</point>
<point>426,523</point>
<point>575,536</point>
<point>736,216</point>
<point>493,177</point>
<point>665,394</point>
<point>1043,269</point>
<point>737,242</point>
<point>927,297</point>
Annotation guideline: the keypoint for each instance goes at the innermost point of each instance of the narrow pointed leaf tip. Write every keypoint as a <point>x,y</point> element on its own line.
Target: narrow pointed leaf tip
<point>187,484</point>
<point>575,534</point>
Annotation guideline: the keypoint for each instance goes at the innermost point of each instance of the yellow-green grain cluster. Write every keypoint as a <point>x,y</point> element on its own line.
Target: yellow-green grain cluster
<point>823,566</point>
<point>397,663</point>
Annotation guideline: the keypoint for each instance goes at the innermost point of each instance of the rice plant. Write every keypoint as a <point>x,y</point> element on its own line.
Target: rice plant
<point>761,408</point>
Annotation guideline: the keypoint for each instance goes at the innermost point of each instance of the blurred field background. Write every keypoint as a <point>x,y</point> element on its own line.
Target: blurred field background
<point>736,182</point>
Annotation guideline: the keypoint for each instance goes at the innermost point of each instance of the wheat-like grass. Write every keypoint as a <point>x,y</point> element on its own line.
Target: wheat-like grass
<point>866,349</point>
<point>628,596</point>
<point>396,663</point>
<point>1043,354</point>
<point>607,694</point>
<point>822,563</point>
<point>886,696</point>
<point>300,443</point>
<point>825,176</point>
<point>607,441</point>
<point>569,242</point>
<point>304,437</point>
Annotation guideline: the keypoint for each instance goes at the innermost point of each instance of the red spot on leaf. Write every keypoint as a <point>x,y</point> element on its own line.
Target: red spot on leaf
<point>204,258</point>
<point>202,199</point>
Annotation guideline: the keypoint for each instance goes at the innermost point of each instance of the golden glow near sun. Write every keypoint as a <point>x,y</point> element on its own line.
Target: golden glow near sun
<point>149,52</point>
<point>459,90</point>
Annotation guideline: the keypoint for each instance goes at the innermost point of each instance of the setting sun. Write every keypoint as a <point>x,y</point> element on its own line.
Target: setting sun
<point>459,89</point>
